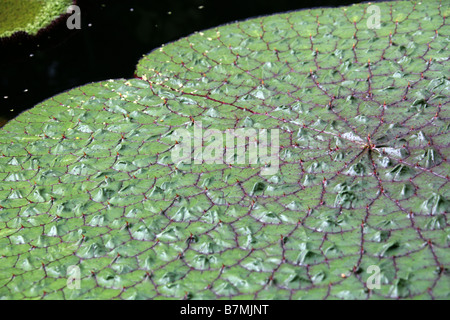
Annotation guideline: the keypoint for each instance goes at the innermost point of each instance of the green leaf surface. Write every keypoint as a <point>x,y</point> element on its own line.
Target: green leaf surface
<point>87,180</point>
<point>29,16</point>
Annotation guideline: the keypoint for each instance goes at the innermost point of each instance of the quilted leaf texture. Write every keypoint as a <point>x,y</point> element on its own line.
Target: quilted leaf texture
<point>87,181</point>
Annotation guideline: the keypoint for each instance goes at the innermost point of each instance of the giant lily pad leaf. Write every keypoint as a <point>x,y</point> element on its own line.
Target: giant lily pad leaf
<point>88,183</point>
<point>29,16</point>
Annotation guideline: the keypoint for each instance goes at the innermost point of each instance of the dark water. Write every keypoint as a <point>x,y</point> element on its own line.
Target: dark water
<point>114,35</point>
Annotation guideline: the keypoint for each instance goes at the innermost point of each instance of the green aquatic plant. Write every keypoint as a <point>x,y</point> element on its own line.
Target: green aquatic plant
<point>87,181</point>
<point>29,16</point>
